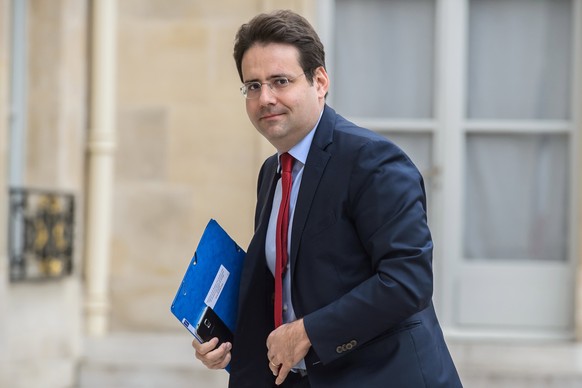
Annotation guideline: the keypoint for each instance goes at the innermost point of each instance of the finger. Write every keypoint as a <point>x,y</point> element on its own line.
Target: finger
<point>215,358</point>
<point>205,347</point>
<point>225,362</point>
<point>220,363</point>
<point>283,372</point>
<point>274,368</point>
<point>271,337</point>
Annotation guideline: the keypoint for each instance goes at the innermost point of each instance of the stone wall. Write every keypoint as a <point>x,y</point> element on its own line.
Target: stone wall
<point>185,153</point>
<point>186,150</point>
<point>57,94</point>
<point>40,325</point>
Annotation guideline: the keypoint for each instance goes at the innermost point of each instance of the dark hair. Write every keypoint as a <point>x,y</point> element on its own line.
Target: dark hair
<point>281,27</point>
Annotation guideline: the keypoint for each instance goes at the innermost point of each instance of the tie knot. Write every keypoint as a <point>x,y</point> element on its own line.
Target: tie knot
<point>286,162</point>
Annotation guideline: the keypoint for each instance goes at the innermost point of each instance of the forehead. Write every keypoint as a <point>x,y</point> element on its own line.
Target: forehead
<point>262,60</point>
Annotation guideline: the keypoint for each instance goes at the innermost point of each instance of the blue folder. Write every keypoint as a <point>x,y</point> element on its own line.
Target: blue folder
<point>211,279</point>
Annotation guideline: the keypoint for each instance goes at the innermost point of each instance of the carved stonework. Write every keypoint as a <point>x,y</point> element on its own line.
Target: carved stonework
<point>40,234</point>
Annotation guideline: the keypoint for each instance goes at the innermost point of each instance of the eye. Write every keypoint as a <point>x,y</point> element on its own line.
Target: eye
<point>253,86</point>
<point>280,82</point>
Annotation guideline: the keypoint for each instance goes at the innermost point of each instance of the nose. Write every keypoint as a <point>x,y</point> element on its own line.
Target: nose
<point>267,96</point>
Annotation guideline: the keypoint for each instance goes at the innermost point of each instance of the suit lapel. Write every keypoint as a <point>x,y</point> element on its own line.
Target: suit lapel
<point>314,168</point>
<point>256,250</point>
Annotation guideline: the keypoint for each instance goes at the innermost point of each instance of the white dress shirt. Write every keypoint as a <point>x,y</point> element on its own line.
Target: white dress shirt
<point>299,152</point>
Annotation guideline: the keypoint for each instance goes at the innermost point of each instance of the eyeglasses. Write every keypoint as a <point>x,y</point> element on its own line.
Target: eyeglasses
<point>252,90</point>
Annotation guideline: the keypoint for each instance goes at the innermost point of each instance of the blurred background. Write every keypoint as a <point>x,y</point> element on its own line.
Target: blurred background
<point>123,132</point>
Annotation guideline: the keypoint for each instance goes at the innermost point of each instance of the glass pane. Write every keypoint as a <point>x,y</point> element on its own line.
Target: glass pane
<point>383,65</point>
<point>519,59</point>
<point>418,146</point>
<point>516,204</point>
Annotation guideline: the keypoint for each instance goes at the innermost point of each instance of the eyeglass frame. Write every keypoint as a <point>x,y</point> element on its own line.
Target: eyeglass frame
<point>274,89</point>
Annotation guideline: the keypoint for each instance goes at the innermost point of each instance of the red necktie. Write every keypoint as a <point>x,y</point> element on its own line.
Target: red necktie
<point>281,237</point>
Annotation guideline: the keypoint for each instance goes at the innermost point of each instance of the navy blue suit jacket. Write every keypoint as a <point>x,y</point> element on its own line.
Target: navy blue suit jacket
<point>361,267</point>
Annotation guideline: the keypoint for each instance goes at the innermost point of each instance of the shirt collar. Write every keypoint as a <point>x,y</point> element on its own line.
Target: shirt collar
<point>300,150</point>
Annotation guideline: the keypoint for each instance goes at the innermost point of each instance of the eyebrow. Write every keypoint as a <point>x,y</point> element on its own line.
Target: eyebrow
<point>269,78</point>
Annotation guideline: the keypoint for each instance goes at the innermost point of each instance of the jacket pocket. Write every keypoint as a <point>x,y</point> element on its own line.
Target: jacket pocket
<point>393,331</point>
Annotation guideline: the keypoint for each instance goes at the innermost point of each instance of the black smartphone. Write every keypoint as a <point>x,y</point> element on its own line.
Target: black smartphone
<point>210,326</point>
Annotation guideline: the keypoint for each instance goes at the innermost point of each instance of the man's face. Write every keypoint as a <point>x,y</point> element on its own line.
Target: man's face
<point>283,116</point>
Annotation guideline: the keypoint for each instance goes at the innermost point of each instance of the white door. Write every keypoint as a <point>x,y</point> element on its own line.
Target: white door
<point>481,95</point>
<point>512,247</point>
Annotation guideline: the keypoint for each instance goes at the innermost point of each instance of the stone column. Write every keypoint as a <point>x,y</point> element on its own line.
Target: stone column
<point>101,158</point>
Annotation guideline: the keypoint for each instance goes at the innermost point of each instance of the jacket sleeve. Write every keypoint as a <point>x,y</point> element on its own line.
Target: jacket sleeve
<point>385,211</point>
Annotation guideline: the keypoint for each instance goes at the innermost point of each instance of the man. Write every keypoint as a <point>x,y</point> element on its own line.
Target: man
<point>357,286</point>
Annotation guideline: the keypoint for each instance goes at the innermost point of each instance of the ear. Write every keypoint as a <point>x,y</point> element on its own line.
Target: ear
<point>321,81</point>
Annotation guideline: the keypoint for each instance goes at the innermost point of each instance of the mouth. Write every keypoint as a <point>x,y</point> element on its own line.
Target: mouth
<point>268,116</point>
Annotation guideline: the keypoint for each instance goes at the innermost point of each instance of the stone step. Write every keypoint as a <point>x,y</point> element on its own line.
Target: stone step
<point>146,360</point>
<point>518,365</point>
<point>149,360</point>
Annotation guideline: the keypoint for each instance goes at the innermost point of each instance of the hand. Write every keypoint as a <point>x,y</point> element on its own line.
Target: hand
<point>210,355</point>
<point>286,345</point>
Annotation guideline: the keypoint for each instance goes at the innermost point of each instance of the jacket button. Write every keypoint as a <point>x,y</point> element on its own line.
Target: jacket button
<point>339,349</point>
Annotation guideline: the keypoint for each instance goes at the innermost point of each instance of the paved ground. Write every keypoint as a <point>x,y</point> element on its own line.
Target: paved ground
<point>167,360</point>
<point>542,365</point>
